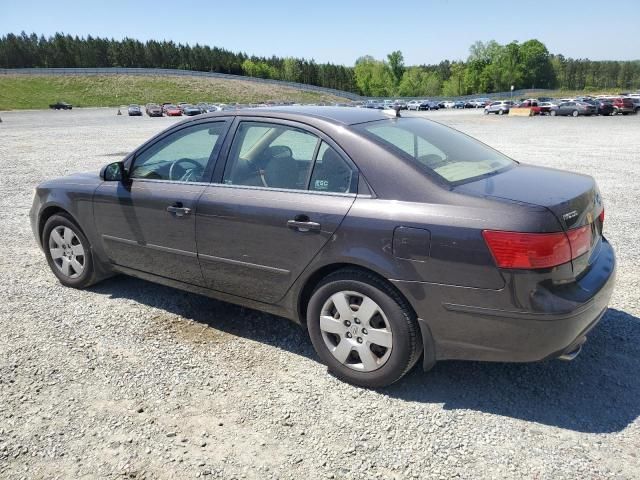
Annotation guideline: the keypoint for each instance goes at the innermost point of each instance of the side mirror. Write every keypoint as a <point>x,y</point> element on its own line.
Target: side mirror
<point>114,172</point>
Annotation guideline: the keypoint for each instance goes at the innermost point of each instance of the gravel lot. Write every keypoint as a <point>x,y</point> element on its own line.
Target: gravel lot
<point>134,380</point>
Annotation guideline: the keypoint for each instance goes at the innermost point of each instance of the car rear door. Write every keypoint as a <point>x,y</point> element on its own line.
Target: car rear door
<point>147,222</point>
<point>284,191</point>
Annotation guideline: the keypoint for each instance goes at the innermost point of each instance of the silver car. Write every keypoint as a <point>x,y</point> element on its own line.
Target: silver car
<point>500,108</point>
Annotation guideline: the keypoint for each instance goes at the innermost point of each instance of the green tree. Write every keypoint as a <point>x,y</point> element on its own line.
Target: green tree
<point>396,64</point>
<point>537,71</point>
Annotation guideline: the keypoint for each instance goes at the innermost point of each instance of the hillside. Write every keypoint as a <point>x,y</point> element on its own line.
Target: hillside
<point>22,91</point>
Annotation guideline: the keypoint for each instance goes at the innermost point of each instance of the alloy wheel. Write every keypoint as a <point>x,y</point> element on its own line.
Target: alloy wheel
<point>356,331</point>
<point>67,251</point>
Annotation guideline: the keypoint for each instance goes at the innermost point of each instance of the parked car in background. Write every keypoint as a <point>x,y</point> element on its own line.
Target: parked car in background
<point>134,110</point>
<point>623,105</point>
<point>172,111</point>
<point>202,106</point>
<point>449,104</point>
<point>61,106</point>
<point>546,107</point>
<point>390,239</point>
<point>191,110</point>
<point>428,105</point>
<point>636,103</point>
<point>441,104</point>
<point>153,110</point>
<point>531,103</point>
<point>603,107</point>
<point>459,104</point>
<point>574,108</point>
<point>480,102</point>
<point>499,108</point>
<point>413,105</point>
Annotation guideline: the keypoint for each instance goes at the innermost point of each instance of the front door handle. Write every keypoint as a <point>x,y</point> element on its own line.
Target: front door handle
<point>178,210</point>
<point>303,225</point>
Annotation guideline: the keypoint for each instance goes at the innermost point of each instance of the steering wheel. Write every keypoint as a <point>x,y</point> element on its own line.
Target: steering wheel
<point>196,167</point>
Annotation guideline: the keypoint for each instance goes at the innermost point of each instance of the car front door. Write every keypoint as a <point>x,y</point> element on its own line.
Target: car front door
<point>147,221</point>
<point>284,191</point>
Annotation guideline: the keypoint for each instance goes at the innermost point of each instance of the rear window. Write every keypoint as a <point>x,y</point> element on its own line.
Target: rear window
<point>439,151</point>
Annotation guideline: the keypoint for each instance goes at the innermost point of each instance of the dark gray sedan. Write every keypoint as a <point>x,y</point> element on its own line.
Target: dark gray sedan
<point>574,108</point>
<point>389,239</point>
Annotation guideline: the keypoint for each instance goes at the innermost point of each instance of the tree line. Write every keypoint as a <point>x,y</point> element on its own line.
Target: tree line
<point>490,66</point>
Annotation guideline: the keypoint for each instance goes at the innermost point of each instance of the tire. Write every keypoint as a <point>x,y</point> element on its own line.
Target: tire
<point>500,112</point>
<point>393,322</point>
<point>553,113</point>
<point>486,112</point>
<point>575,113</point>
<point>62,223</point>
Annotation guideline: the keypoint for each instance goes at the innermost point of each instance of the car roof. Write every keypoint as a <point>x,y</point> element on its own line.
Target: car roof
<point>336,115</point>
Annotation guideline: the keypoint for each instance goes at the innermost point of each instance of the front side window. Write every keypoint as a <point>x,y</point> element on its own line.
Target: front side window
<point>181,156</point>
<point>438,150</point>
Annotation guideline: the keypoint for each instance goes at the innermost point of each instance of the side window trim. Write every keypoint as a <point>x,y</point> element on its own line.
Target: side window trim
<point>223,157</point>
<point>214,157</point>
<point>314,160</point>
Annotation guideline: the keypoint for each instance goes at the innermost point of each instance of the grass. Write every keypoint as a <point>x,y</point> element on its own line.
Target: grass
<point>38,91</point>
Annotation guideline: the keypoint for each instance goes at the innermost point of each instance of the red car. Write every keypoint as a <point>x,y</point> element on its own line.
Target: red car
<point>622,105</point>
<point>533,105</point>
<point>172,111</point>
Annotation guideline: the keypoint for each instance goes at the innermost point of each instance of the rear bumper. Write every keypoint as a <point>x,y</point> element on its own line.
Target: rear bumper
<point>492,325</point>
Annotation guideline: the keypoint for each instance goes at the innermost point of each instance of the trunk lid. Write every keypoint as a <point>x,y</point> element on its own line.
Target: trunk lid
<point>573,198</point>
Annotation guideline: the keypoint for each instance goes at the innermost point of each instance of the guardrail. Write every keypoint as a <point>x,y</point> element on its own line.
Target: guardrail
<point>174,72</point>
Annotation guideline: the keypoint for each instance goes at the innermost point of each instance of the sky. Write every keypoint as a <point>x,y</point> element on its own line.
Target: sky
<point>426,31</point>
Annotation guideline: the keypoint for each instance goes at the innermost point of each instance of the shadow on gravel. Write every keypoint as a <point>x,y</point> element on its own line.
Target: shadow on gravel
<point>598,392</point>
<point>222,316</point>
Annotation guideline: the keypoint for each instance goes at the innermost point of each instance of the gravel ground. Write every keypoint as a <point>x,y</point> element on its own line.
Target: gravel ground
<point>134,380</point>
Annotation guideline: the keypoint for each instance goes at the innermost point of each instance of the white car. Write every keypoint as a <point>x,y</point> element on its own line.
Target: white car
<point>413,105</point>
<point>449,104</point>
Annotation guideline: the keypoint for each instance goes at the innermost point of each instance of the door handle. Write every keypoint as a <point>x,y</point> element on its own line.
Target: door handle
<point>178,210</point>
<point>303,226</point>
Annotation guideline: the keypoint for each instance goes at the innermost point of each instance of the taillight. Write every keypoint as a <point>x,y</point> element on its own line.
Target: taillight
<point>601,217</point>
<point>579,240</point>
<point>537,250</point>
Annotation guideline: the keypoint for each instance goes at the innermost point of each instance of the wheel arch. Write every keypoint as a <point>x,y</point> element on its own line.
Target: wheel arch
<point>313,280</point>
<point>48,212</point>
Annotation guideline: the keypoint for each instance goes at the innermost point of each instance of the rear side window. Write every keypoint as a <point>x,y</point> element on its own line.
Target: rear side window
<point>331,173</point>
<point>440,151</point>
<point>280,156</point>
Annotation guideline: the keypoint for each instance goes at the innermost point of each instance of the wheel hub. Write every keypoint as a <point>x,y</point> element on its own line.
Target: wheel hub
<point>356,331</point>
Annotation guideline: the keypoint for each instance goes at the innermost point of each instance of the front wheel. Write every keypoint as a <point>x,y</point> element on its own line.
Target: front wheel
<point>574,113</point>
<point>362,329</point>
<point>68,252</point>
<point>553,113</point>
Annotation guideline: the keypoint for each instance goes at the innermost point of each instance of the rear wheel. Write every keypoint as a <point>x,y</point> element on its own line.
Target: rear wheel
<point>362,329</point>
<point>553,113</point>
<point>68,252</point>
<point>575,113</point>
<point>500,112</point>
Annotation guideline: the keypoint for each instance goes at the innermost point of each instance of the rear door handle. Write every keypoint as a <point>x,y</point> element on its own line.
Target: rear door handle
<point>178,210</point>
<point>301,226</point>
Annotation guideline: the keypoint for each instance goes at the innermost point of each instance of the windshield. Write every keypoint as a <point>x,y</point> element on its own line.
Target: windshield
<point>441,151</point>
